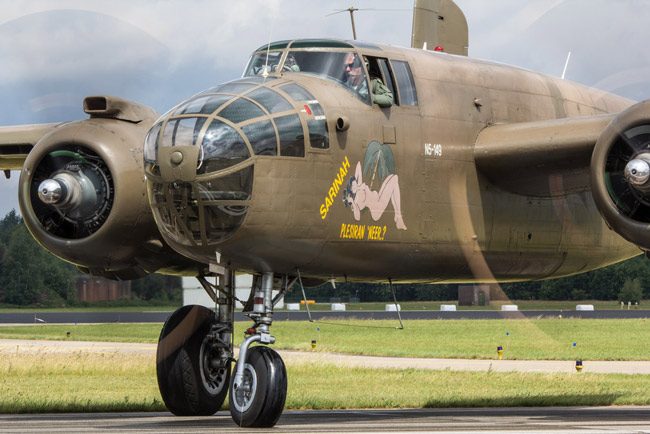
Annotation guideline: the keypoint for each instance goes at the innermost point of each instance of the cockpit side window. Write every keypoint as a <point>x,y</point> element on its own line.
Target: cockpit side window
<point>389,81</point>
<point>405,83</point>
<point>292,138</point>
<point>316,119</point>
<point>379,69</point>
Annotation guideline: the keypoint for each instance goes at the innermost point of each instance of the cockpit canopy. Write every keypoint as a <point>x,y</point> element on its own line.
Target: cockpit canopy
<point>332,60</point>
<point>237,120</point>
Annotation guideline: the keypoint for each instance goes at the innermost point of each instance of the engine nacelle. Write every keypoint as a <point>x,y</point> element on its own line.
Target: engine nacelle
<point>620,174</point>
<point>82,193</point>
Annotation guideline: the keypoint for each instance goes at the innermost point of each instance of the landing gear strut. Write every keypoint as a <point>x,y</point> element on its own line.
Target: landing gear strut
<point>259,387</point>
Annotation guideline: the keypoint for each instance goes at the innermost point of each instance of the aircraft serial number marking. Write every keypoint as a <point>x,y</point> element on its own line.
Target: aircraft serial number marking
<point>434,150</point>
<point>362,232</point>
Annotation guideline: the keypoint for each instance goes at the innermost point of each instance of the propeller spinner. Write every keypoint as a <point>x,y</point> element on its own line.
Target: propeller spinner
<point>74,192</point>
<point>637,172</point>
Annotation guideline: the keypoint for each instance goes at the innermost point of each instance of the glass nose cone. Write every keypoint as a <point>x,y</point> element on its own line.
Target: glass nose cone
<point>219,134</point>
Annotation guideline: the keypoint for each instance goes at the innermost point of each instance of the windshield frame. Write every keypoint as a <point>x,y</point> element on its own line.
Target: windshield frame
<point>361,90</point>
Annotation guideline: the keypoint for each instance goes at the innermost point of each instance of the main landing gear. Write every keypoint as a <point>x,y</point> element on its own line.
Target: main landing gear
<point>195,351</point>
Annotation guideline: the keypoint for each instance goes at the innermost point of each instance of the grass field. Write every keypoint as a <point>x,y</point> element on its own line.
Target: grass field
<point>540,339</point>
<point>83,382</point>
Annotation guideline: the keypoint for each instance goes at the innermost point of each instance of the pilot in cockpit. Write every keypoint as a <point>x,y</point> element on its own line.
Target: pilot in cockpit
<point>353,76</point>
<point>290,64</point>
<point>354,79</point>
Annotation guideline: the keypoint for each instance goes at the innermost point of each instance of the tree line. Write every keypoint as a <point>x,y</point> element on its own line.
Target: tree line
<point>626,281</point>
<point>31,276</point>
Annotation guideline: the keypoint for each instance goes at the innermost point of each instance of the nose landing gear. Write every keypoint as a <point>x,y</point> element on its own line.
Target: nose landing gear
<point>257,400</point>
<point>195,351</point>
<point>259,387</point>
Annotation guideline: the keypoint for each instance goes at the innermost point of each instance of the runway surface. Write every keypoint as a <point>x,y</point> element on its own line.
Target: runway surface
<point>529,420</point>
<point>142,317</point>
<point>345,360</point>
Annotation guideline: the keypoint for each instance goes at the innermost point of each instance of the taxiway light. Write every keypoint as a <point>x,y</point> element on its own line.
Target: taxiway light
<point>500,352</point>
<point>439,48</point>
<point>313,344</point>
<point>579,365</point>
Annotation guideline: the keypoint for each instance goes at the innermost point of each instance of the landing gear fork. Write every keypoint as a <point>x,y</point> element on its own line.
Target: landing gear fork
<point>259,386</point>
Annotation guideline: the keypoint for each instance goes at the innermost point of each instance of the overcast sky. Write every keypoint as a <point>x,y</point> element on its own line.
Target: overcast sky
<point>54,52</point>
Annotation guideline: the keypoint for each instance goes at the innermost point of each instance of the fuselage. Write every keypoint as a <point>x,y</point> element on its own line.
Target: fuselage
<point>396,192</point>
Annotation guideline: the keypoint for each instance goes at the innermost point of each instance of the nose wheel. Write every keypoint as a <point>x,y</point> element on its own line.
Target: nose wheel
<point>258,389</point>
<point>258,399</point>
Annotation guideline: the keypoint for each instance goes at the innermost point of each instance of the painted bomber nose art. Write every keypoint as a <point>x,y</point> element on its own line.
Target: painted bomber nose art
<point>369,191</point>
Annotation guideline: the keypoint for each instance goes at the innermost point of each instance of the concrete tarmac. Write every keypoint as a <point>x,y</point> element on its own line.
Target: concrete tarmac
<point>496,420</point>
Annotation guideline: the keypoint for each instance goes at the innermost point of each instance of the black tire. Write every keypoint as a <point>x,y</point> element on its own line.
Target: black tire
<point>262,407</point>
<point>188,386</point>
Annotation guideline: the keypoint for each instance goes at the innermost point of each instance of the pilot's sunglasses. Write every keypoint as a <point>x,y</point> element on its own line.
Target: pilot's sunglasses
<point>355,64</point>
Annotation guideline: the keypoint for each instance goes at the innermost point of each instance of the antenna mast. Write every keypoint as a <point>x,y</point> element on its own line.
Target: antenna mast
<point>566,65</point>
<point>352,9</point>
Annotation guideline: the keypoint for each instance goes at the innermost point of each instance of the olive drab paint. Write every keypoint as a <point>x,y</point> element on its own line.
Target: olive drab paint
<point>477,172</point>
<point>474,172</point>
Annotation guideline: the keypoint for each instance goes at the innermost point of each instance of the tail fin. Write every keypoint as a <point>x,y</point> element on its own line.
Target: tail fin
<point>441,25</point>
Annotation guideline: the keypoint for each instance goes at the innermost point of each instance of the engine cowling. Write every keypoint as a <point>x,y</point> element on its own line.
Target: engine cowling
<point>82,193</point>
<point>620,174</point>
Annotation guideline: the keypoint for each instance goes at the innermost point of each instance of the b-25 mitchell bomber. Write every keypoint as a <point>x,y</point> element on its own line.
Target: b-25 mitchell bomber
<point>461,170</point>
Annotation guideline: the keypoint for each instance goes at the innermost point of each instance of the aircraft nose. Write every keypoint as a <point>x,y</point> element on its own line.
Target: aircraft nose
<point>200,156</point>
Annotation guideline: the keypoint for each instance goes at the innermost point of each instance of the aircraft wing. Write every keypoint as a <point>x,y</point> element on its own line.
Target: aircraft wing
<point>17,141</point>
<point>543,158</point>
